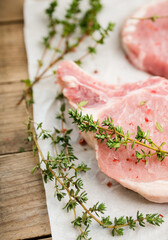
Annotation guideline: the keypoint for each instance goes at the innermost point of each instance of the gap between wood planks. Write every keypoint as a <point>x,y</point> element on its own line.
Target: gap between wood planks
<point>17,152</point>
<point>47,237</point>
<point>11,10</point>
<point>8,83</point>
<point>21,21</point>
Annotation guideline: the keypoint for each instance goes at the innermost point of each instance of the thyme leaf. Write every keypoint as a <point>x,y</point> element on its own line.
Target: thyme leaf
<point>159,127</point>
<point>82,104</point>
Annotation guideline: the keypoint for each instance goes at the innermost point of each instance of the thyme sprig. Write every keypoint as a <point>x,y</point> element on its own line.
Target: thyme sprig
<point>115,137</point>
<point>63,171</point>
<point>77,25</point>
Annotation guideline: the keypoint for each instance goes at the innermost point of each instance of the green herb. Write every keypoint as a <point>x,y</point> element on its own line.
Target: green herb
<point>154,17</point>
<point>142,103</point>
<point>82,104</point>
<point>22,149</point>
<point>159,127</point>
<point>40,63</point>
<point>116,137</point>
<point>50,10</point>
<point>27,82</point>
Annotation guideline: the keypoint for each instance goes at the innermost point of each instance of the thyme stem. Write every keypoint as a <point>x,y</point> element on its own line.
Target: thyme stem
<point>87,53</point>
<point>67,50</point>
<point>152,18</point>
<point>130,139</point>
<point>48,76</point>
<point>133,140</point>
<point>57,48</point>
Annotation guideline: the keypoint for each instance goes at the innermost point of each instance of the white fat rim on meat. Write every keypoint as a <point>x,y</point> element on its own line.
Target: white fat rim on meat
<point>156,191</point>
<point>70,81</point>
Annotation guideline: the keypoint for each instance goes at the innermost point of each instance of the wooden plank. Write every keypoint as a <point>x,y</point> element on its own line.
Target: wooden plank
<point>12,129</point>
<point>22,199</point>
<point>13,61</point>
<point>11,10</point>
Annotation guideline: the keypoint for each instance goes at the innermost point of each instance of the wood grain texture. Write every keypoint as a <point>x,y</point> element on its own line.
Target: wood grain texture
<point>23,212</point>
<point>22,199</point>
<point>12,130</point>
<point>11,10</point>
<point>13,61</point>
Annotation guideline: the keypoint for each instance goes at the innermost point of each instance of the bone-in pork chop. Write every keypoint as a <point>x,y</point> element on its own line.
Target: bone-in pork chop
<point>145,41</point>
<point>151,181</point>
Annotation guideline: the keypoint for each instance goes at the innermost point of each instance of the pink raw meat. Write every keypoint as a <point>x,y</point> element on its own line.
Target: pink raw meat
<point>151,181</point>
<point>69,71</point>
<point>146,42</point>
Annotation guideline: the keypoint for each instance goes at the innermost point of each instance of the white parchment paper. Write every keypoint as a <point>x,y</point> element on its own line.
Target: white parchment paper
<point>112,67</point>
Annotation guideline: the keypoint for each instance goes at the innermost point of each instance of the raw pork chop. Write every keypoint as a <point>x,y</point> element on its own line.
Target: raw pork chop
<point>146,42</point>
<point>70,72</point>
<point>151,181</point>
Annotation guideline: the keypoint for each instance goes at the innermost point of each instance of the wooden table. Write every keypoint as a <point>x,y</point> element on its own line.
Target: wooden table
<point>23,213</point>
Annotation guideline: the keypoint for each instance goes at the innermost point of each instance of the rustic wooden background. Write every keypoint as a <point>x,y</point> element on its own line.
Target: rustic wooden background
<point>23,212</point>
